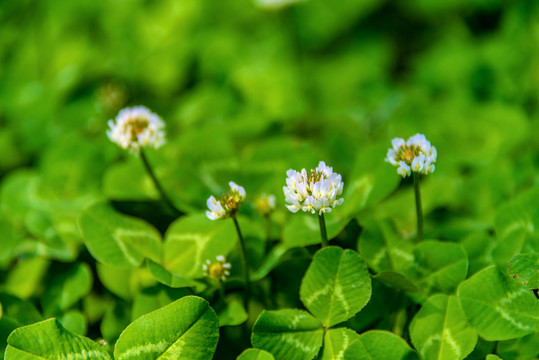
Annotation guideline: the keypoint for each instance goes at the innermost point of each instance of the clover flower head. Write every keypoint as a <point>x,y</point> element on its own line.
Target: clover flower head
<point>136,127</point>
<point>228,203</point>
<point>415,155</point>
<point>315,191</point>
<point>218,270</point>
<point>265,204</point>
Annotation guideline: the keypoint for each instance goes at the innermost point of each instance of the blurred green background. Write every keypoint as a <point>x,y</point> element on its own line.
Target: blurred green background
<point>248,92</point>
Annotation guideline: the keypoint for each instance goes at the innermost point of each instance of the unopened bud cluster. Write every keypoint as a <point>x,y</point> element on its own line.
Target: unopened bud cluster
<point>315,191</point>
<point>415,155</point>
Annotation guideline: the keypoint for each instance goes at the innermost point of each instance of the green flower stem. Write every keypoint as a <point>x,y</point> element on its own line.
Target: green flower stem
<point>164,196</point>
<point>221,292</point>
<point>323,231</point>
<point>244,264</point>
<point>419,212</point>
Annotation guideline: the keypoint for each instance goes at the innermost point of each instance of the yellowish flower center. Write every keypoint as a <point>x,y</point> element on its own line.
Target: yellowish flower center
<point>136,126</point>
<point>216,271</point>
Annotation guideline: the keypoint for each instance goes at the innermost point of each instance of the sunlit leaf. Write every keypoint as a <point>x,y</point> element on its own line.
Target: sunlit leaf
<point>49,340</point>
<point>288,334</point>
<point>193,239</point>
<point>439,266</point>
<point>440,330</point>
<point>255,354</point>
<point>336,286</point>
<point>525,268</point>
<point>380,345</point>
<point>187,328</point>
<point>497,306</point>
<point>336,341</point>
<point>117,239</point>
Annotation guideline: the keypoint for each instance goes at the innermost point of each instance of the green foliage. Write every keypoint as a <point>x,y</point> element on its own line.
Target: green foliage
<point>336,341</point>
<point>247,92</point>
<point>288,334</point>
<point>380,345</point>
<point>187,328</point>
<point>336,286</point>
<point>49,340</point>
<point>439,267</point>
<point>67,289</point>
<point>498,307</point>
<point>525,268</point>
<point>192,240</point>
<point>255,354</point>
<point>440,329</point>
<point>118,240</point>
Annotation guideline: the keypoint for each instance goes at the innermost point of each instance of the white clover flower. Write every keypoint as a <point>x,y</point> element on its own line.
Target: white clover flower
<point>219,270</point>
<point>265,204</point>
<point>228,203</point>
<point>137,127</point>
<point>316,191</point>
<point>415,155</point>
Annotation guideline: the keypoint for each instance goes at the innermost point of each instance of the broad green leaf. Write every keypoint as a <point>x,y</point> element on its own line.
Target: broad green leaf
<point>21,312</point>
<point>26,276</point>
<point>255,354</point>
<point>153,298</point>
<point>66,289</point>
<point>193,239</point>
<point>516,226</point>
<point>397,281</point>
<point>124,282</point>
<point>336,285</point>
<point>383,248</point>
<point>493,357</point>
<point>74,321</point>
<point>336,341</point>
<point>17,192</point>
<point>497,306</point>
<point>439,267</point>
<point>380,345</point>
<point>185,329</point>
<point>303,229</point>
<point>440,330</point>
<point>118,240</point>
<point>172,280</point>
<point>288,334</point>
<point>49,340</point>
<point>525,268</point>
<point>232,314</point>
